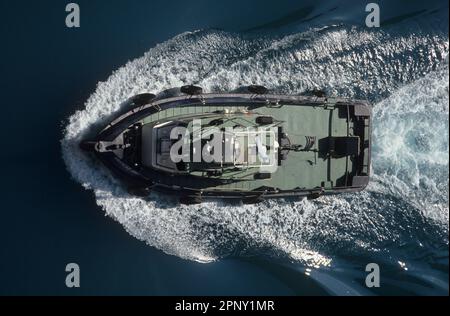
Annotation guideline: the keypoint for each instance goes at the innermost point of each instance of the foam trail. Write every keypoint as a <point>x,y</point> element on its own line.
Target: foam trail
<point>411,143</point>
<point>344,61</point>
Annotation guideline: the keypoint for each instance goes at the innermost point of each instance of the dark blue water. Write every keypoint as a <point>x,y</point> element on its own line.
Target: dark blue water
<point>157,247</point>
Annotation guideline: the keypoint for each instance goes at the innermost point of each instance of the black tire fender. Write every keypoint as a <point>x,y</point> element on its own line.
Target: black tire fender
<point>314,195</point>
<point>255,89</point>
<point>252,200</point>
<point>191,90</point>
<point>143,99</point>
<point>190,200</point>
<point>139,191</point>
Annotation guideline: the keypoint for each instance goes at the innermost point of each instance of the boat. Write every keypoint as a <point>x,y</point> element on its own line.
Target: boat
<point>248,144</point>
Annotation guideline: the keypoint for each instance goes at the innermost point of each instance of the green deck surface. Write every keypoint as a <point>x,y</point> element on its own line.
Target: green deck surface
<point>303,170</point>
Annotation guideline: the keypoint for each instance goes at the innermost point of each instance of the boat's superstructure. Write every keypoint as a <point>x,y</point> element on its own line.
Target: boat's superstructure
<point>249,146</point>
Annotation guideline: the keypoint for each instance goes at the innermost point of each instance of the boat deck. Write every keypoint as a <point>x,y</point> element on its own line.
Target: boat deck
<point>301,170</point>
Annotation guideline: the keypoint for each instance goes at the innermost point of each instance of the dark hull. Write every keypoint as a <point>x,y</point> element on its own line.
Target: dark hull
<point>153,179</point>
